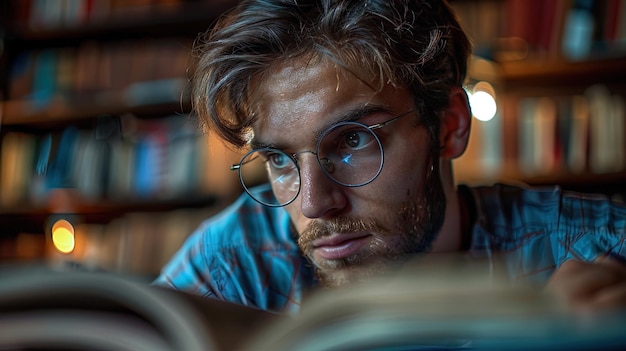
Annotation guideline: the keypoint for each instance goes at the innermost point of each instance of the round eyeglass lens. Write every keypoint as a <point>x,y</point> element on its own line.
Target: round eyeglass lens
<point>280,170</point>
<point>351,154</point>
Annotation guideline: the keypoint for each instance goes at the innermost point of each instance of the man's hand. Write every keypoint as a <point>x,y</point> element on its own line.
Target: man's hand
<point>590,287</point>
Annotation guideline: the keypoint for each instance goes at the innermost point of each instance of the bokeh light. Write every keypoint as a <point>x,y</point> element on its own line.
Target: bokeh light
<point>482,99</point>
<point>63,236</point>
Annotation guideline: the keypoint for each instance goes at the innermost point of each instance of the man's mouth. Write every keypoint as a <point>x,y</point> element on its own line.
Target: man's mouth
<point>338,246</point>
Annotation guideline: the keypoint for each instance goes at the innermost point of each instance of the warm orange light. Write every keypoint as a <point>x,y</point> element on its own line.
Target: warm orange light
<point>63,236</point>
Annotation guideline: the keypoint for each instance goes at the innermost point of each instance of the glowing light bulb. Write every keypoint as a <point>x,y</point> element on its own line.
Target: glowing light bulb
<point>483,105</point>
<point>63,236</point>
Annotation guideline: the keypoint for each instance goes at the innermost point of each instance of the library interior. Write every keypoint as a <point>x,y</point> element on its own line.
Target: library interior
<point>103,167</point>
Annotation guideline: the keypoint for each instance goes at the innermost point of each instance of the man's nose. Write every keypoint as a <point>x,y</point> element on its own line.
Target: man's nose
<point>320,196</point>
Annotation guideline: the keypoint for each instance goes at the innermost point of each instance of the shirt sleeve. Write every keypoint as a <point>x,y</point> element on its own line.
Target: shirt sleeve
<point>593,226</point>
<point>193,267</point>
<point>245,255</point>
<point>530,232</point>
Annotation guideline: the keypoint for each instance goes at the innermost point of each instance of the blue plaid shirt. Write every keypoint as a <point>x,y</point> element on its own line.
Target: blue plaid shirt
<point>248,255</point>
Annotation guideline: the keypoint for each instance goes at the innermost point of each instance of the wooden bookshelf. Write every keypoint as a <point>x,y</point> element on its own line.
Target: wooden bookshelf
<point>22,113</point>
<point>536,60</point>
<point>178,18</point>
<point>126,65</point>
<point>564,75</point>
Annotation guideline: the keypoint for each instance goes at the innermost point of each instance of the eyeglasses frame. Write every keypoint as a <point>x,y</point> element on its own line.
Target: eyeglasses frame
<point>294,158</point>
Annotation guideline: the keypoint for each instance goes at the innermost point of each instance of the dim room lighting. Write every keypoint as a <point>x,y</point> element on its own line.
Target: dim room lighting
<point>483,102</point>
<point>63,236</point>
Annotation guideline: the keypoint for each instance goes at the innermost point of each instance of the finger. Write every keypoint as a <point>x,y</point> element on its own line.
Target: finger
<point>617,261</point>
<point>610,297</point>
<point>578,282</point>
<point>579,278</point>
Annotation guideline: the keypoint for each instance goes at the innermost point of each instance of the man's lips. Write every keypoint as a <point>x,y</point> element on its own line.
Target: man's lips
<point>338,246</point>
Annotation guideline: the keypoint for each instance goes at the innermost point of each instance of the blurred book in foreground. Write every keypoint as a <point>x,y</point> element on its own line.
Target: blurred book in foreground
<point>429,305</point>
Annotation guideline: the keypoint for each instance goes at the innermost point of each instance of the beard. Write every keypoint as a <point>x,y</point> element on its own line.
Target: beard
<point>417,223</point>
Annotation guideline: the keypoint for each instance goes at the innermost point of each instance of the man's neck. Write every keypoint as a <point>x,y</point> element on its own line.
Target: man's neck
<point>450,235</point>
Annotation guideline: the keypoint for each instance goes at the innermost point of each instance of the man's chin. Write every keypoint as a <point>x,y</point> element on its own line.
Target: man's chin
<point>340,277</point>
<point>332,274</point>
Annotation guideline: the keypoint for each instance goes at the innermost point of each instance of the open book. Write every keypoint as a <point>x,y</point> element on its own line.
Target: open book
<point>416,309</point>
<point>442,304</point>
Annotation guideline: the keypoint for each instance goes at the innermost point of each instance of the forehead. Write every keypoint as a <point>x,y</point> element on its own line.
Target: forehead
<point>304,87</point>
<point>300,97</point>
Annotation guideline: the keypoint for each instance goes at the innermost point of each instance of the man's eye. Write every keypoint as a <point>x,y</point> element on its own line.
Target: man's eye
<point>278,161</point>
<point>356,140</point>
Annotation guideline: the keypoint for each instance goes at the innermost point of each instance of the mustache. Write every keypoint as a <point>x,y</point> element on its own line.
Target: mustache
<point>320,229</point>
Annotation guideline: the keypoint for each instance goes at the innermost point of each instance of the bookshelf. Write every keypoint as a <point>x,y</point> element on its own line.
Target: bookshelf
<point>94,127</point>
<point>559,71</point>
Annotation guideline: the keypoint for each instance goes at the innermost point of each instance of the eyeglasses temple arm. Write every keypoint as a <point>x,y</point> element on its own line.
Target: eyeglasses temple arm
<point>382,124</point>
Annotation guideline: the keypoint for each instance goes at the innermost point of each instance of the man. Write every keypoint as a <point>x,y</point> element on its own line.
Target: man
<point>354,109</point>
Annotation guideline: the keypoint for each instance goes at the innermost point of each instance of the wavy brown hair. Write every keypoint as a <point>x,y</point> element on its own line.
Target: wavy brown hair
<point>418,44</point>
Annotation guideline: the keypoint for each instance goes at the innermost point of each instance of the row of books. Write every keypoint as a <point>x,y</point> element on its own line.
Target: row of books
<point>46,14</point>
<point>164,158</point>
<point>582,133</point>
<point>518,29</point>
<point>100,68</point>
<point>550,137</point>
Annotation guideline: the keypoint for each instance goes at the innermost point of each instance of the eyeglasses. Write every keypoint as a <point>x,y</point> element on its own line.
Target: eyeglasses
<point>349,153</point>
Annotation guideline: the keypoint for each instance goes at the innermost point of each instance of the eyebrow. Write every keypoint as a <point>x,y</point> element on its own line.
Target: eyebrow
<point>352,115</point>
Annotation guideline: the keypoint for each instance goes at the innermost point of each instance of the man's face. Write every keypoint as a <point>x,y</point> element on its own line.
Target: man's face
<point>350,234</point>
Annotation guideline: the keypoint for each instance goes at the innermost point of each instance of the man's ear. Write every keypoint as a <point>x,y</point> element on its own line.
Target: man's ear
<point>455,125</point>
